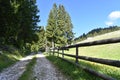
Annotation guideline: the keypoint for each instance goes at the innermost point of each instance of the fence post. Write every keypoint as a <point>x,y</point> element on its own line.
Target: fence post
<point>76,55</point>
<point>62,53</point>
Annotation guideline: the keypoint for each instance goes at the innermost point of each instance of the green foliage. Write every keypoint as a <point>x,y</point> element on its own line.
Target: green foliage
<point>41,36</point>
<point>18,22</point>
<point>6,14</point>
<point>59,27</point>
<point>29,69</point>
<point>40,44</point>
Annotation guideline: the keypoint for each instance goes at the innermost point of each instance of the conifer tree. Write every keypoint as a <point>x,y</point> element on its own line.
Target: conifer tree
<point>18,22</point>
<point>59,27</point>
<point>52,26</point>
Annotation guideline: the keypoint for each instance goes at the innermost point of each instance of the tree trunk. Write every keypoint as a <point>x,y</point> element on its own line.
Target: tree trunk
<point>52,44</point>
<point>46,47</point>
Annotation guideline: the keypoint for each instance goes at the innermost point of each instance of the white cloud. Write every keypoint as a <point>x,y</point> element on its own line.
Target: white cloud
<point>112,18</point>
<point>109,23</point>
<point>114,15</point>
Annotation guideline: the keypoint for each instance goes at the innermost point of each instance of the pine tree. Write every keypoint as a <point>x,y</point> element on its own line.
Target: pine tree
<point>18,22</point>
<point>59,27</point>
<point>41,41</point>
<point>65,27</point>
<point>6,14</point>
<point>27,21</point>
<point>52,26</point>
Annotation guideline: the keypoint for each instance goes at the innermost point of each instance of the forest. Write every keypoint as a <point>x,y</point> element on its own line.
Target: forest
<point>19,26</point>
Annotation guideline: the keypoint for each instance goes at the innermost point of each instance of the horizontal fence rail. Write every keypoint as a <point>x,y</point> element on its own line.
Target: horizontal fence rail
<point>103,76</point>
<point>99,42</point>
<point>109,62</point>
<point>115,63</point>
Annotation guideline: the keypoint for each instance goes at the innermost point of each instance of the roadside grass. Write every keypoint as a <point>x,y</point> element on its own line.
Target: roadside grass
<point>101,68</point>
<point>79,74</point>
<point>9,58</point>
<point>104,69</point>
<point>108,51</point>
<point>27,75</point>
<point>71,70</point>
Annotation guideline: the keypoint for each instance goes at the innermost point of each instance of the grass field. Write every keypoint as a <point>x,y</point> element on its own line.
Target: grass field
<point>109,51</point>
<point>8,58</point>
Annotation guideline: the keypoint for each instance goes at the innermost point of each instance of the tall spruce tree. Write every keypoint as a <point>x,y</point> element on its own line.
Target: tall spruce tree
<point>28,19</point>
<point>68,27</point>
<point>6,14</point>
<point>52,26</point>
<point>18,22</point>
<point>65,25</point>
<point>41,41</point>
<point>59,27</point>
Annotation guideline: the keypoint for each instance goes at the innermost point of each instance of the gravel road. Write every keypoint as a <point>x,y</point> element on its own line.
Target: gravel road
<point>45,70</point>
<point>15,71</point>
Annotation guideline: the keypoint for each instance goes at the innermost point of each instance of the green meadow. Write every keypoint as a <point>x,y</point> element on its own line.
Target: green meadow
<point>108,51</point>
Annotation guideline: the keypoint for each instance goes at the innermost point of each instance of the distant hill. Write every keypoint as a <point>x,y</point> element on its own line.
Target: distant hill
<point>96,32</point>
<point>103,36</point>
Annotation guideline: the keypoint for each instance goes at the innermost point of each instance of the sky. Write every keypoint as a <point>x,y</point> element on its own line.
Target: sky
<point>85,14</point>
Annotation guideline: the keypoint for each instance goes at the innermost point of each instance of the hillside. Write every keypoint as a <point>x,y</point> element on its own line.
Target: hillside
<point>103,36</point>
<point>96,32</point>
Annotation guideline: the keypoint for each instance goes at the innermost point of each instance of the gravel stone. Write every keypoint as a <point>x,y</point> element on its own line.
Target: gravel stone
<point>15,71</point>
<point>45,70</point>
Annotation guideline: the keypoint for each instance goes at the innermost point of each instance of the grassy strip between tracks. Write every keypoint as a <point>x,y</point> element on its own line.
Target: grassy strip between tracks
<point>29,70</point>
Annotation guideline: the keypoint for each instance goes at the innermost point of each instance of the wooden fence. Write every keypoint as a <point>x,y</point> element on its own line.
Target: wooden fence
<point>115,63</point>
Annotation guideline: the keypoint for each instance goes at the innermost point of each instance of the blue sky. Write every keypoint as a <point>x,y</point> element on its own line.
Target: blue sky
<point>85,14</point>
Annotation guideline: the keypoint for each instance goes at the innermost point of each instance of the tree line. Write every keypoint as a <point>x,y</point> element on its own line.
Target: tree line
<point>18,23</point>
<point>18,26</point>
<point>96,32</point>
